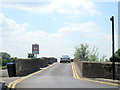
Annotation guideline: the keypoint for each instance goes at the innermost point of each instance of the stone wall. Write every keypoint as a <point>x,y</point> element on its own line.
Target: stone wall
<point>97,69</point>
<point>26,66</point>
<point>43,62</point>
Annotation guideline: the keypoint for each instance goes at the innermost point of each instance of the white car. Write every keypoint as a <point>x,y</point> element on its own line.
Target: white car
<point>65,58</point>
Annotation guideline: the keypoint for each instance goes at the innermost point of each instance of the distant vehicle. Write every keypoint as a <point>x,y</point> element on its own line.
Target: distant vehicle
<point>65,58</point>
<point>71,60</point>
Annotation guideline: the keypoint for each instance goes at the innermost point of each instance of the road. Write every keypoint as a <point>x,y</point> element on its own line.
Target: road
<point>58,76</point>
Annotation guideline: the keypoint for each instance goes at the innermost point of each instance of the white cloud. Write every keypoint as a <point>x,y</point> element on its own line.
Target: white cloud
<point>50,0</point>
<point>81,27</point>
<point>73,8</point>
<point>90,33</point>
<point>17,39</point>
<point>106,0</point>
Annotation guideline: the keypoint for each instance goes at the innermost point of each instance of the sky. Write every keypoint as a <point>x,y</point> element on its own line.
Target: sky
<point>118,25</point>
<point>58,26</point>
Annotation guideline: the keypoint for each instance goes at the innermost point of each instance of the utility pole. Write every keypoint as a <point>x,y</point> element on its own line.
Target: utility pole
<point>113,60</point>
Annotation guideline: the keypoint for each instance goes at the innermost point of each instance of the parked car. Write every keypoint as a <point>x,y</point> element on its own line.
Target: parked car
<point>65,58</point>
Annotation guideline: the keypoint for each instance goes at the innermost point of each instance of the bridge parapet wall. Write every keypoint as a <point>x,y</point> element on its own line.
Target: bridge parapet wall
<point>27,66</point>
<point>97,69</point>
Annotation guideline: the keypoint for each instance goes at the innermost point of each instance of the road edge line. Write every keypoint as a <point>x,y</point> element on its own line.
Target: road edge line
<point>14,83</point>
<point>94,80</point>
<point>100,82</point>
<point>73,72</point>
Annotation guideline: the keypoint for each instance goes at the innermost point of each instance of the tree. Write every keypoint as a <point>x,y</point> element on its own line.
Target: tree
<point>117,56</point>
<point>82,52</point>
<point>103,59</point>
<point>30,55</point>
<point>13,59</point>
<point>93,56</point>
<point>5,57</point>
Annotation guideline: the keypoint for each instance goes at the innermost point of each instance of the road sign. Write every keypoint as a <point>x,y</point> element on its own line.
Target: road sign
<point>35,48</point>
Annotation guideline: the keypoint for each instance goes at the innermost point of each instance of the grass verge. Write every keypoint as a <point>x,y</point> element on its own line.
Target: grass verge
<point>3,67</point>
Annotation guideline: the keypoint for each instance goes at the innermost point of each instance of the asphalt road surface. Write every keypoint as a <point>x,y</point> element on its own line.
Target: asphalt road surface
<point>59,76</point>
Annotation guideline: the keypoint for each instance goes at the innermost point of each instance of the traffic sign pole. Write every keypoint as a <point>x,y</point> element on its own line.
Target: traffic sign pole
<point>113,59</point>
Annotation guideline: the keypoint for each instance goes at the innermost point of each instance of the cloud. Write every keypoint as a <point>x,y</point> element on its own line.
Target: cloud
<point>72,8</point>
<point>88,29</point>
<point>81,27</point>
<point>90,33</point>
<point>106,0</point>
<point>17,39</point>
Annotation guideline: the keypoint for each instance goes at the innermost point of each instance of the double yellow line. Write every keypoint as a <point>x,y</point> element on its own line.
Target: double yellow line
<point>76,76</point>
<point>14,83</point>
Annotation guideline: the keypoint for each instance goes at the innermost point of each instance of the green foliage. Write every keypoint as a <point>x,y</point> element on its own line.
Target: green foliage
<point>93,56</point>
<point>3,67</point>
<point>5,58</point>
<point>107,60</point>
<point>4,62</point>
<point>4,55</point>
<point>103,59</point>
<point>30,55</point>
<point>13,59</point>
<point>117,56</point>
<point>118,52</point>
<point>83,52</point>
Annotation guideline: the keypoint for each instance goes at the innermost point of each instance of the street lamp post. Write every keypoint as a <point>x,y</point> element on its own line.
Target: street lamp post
<point>113,61</point>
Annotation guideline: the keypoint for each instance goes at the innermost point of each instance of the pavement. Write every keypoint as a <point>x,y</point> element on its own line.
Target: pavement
<point>4,79</point>
<point>58,76</point>
<point>2,85</point>
<point>3,73</point>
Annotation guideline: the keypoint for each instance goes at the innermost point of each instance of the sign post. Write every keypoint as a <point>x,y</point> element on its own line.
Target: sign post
<point>113,61</point>
<point>35,49</point>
